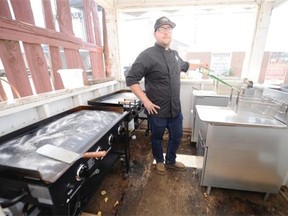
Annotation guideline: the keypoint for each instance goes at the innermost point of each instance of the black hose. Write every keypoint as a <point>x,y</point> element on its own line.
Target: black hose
<point>8,203</point>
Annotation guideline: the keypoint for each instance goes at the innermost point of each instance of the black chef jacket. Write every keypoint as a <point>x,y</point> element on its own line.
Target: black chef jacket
<point>161,69</point>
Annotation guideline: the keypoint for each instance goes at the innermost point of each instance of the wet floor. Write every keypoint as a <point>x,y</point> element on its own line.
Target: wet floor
<point>144,192</point>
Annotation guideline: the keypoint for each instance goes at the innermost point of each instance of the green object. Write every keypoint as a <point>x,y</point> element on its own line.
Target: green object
<point>216,78</point>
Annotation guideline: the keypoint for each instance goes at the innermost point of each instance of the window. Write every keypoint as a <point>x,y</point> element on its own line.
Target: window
<point>275,61</point>
<point>218,35</point>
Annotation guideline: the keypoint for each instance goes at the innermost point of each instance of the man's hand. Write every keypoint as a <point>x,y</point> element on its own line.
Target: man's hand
<point>150,107</point>
<point>204,65</point>
<point>196,66</point>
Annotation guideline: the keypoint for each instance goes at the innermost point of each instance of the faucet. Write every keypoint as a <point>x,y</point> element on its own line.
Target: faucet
<point>236,105</point>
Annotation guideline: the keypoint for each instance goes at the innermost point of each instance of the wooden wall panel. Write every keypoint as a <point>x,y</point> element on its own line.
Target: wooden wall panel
<point>23,11</point>
<point>88,20</point>
<point>16,30</point>
<point>55,56</point>
<point>96,23</point>
<point>64,17</point>
<point>56,64</point>
<point>74,60</point>
<point>38,67</point>
<point>12,59</point>
<point>14,66</point>
<point>97,64</point>
<point>4,11</point>
<point>89,7</point>
<point>106,47</point>
<point>3,96</point>
<point>34,53</point>
<point>23,29</point>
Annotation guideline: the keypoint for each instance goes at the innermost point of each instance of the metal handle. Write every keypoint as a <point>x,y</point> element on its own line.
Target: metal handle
<point>100,149</point>
<point>8,203</point>
<point>110,139</point>
<point>81,169</point>
<point>120,130</point>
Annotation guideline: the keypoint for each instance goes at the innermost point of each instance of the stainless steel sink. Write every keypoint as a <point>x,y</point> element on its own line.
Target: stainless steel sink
<point>227,116</point>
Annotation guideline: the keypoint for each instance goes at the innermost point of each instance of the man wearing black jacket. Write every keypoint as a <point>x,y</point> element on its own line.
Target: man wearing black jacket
<point>161,68</point>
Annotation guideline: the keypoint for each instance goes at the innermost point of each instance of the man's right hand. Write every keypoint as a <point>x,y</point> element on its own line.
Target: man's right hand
<point>150,107</point>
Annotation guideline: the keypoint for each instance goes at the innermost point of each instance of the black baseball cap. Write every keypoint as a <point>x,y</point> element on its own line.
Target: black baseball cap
<point>163,21</point>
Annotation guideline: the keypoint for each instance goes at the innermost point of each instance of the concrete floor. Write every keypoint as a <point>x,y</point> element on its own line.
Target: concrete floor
<point>144,192</point>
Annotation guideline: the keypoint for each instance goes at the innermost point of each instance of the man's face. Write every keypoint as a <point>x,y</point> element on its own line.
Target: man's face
<point>163,35</point>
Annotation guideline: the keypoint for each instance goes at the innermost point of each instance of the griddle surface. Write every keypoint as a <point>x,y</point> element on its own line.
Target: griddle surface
<point>77,132</point>
<point>116,98</point>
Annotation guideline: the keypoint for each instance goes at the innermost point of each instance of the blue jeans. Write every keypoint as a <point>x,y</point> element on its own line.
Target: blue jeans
<point>175,129</point>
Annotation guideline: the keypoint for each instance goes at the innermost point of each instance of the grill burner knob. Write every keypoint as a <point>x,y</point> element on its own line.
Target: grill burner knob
<point>120,130</point>
<point>81,171</point>
<point>110,139</point>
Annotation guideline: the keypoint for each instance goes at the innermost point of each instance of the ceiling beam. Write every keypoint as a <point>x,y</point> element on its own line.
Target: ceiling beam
<point>106,4</point>
<point>137,4</point>
<point>134,4</point>
<point>278,3</point>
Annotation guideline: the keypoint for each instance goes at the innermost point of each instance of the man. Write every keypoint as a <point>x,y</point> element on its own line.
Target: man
<point>161,68</point>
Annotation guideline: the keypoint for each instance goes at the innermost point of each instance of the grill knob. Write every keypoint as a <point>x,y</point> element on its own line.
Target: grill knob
<point>80,174</point>
<point>110,139</point>
<point>120,130</point>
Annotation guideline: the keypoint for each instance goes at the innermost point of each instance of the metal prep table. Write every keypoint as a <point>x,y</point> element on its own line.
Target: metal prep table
<point>241,151</point>
<point>204,97</point>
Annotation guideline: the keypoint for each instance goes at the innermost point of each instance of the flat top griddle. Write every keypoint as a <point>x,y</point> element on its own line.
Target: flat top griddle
<point>76,131</point>
<point>121,98</point>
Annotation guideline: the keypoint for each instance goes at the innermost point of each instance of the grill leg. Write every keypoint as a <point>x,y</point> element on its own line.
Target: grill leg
<point>127,149</point>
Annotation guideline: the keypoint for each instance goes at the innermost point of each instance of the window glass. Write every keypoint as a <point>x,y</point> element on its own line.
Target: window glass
<point>37,9</point>
<point>275,61</point>
<point>219,35</point>
<point>78,23</point>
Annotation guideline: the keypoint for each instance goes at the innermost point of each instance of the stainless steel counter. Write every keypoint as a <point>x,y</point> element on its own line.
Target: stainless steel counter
<point>227,116</point>
<point>243,151</point>
<point>207,98</point>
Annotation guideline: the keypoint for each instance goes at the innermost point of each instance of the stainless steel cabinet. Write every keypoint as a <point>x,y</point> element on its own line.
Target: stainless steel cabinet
<point>242,155</point>
<point>204,97</point>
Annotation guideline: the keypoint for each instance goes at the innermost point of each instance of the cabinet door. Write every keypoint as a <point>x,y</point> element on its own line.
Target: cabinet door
<point>246,158</point>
